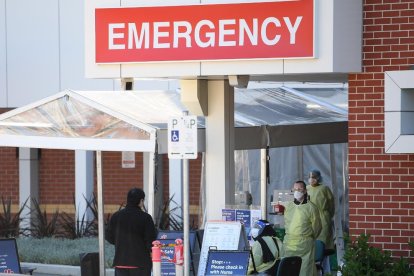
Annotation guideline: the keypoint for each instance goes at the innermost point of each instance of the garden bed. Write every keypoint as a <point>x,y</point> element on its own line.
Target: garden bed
<point>60,251</point>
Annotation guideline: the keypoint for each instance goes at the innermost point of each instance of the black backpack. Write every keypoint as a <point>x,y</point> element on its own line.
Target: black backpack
<point>266,251</point>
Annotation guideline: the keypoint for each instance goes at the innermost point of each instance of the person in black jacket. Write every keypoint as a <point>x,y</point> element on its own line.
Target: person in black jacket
<point>132,231</point>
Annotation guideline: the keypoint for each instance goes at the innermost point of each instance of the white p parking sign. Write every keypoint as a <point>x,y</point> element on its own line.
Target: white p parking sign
<point>182,137</point>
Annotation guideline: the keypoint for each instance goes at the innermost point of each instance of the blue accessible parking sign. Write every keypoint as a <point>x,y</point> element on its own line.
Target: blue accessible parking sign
<point>175,136</point>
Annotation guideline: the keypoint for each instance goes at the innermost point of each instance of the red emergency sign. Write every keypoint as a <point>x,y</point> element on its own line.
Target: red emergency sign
<point>260,30</point>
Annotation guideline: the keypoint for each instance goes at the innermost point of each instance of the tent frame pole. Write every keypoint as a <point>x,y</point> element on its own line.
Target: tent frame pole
<point>263,182</point>
<point>186,200</point>
<point>100,213</point>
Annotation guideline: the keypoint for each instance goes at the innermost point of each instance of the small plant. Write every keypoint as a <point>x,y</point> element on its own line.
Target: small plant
<point>167,218</point>
<point>40,225</point>
<point>82,227</point>
<point>362,259</point>
<point>9,222</point>
<point>93,206</point>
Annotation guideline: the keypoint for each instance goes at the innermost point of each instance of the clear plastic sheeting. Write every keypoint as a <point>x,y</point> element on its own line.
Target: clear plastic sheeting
<point>154,108</point>
<point>71,120</point>
<point>125,120</point>
<point>279,106</point>
<point>68,117</point>
<point>337,96</point>
<point>87,113</point>
<point>289,164</point>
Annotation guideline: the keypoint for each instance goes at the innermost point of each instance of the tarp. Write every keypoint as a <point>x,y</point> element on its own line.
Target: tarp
<point>138,120</point>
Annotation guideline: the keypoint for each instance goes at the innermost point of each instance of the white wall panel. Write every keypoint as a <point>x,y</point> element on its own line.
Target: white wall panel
<point>347,43</point>
<point>72,49</point>
<point>32,50</point>
<point>3,60</point>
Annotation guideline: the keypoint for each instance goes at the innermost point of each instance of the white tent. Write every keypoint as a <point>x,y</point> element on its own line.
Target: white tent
<point>137,121</point>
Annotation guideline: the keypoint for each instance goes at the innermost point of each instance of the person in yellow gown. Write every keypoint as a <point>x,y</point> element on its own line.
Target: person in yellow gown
<point>266,249</point>
<point>302,226</point>
<point>321,195</point>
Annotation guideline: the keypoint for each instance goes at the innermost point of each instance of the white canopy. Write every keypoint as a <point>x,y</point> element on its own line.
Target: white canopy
<point>137,120</point>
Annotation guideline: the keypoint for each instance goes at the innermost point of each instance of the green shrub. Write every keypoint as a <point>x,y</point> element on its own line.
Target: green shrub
<point>60,251</point>
<point>361,258</point>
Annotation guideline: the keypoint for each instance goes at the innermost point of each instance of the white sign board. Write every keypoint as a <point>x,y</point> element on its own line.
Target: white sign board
<point>223,235</point>
<point>128,159</point>
<point>182,137</point>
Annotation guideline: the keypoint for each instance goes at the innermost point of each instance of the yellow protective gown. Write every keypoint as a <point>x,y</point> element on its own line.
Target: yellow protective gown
<point>302,225</point>
<point>323,198</point>
<point>258,255</point>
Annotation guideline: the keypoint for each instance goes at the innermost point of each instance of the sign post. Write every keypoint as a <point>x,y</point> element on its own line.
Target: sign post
<point>182,144</point>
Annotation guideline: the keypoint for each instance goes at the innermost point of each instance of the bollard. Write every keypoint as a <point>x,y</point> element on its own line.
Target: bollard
<point>156,258</point>
<point>179,257</point>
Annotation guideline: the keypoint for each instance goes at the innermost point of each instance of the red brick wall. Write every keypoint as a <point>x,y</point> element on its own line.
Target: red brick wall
<point>9,174</point>
<point>9,171</point>
<point>165,176</point>
<point>195,178</point>
<point>381,186</point>
<point>57,176</point>
<point>118,181</point>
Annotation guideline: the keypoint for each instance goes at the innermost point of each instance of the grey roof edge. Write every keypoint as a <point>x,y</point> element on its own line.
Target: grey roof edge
<point>246,138</point>
<point>292,135</point>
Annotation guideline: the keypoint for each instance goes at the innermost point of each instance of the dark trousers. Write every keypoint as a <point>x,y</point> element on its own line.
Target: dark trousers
<point>132,271</point>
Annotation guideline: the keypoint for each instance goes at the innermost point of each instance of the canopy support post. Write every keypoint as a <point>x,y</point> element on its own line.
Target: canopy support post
<point>186,197</point>
<point>219,148</point>
<point>263,182</point>
<point>100,213</point>
<point>339,210</point>
<point>28,181</point>
<point>149,182</point>
<point>84,172</point>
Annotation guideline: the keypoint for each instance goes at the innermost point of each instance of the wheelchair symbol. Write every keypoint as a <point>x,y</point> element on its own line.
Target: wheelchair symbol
<point>175,136</point>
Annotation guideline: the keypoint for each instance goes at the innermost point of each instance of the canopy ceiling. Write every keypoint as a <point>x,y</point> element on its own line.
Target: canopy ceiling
<point>138,120</point>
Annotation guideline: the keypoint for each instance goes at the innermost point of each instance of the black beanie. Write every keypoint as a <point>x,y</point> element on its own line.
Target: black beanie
<point>135,195</point>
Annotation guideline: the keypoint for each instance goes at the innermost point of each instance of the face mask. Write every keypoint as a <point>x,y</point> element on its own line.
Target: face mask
<point>254,232</point>
<point>312,181</point>
<point>298,195</point>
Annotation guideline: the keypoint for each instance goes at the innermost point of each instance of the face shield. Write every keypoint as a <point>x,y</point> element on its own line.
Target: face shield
<point>258,228</point>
